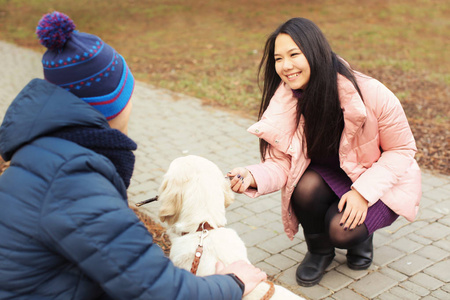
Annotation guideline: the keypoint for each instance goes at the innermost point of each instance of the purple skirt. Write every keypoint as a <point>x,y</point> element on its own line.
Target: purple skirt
<point>378,216</point>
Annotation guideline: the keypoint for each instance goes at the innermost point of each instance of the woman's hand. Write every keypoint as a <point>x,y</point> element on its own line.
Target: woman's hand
<point>241,179</point>
<point>247,273</point>
<point>355,209</point>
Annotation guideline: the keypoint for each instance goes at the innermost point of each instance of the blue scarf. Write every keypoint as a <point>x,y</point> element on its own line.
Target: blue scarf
<point>112,143</point>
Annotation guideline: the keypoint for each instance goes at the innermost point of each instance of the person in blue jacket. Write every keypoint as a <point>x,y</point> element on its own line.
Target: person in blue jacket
<point>66,231</point>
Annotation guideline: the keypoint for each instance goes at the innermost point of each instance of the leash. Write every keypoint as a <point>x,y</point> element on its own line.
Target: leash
<point>204,228</point>
<point>270,292</point>
<point>146,201</point>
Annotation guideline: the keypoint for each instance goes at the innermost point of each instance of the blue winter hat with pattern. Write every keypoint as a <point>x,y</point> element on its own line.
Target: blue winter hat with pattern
<point>84,65</point>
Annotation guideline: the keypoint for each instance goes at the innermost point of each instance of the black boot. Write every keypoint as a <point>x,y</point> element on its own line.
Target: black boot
<point>319,256</point>
<point>360,256</point>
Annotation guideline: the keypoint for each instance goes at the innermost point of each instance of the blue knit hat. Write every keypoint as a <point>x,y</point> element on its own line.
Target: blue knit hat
<point>84,65</point>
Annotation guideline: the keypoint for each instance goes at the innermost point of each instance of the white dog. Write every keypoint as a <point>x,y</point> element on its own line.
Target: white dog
<point>195,191</point>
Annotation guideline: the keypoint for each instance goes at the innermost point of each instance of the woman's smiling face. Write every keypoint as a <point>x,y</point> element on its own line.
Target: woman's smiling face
<point>290,62</point>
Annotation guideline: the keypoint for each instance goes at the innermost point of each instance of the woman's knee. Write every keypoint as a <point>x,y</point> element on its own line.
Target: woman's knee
<point>310,191</point>
<point>339,236</point>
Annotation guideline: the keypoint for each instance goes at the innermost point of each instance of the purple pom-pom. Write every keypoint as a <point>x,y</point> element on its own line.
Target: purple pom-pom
<point>54,30</point>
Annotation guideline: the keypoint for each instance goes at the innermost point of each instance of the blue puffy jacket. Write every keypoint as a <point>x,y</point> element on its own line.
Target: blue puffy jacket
<point>66,231</point>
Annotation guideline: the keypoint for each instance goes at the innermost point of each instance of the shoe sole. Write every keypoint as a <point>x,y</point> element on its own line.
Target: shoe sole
<point>359,267</point>
<point>308,283</point>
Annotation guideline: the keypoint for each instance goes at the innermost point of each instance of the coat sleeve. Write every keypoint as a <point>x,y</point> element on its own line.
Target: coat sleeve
<point>397,146</point>
<point>270,175</point>
<point>85,220</point>
<point>277,127</point>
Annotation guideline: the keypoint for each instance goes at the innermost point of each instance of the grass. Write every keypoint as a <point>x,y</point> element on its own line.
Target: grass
<point>210,49</point>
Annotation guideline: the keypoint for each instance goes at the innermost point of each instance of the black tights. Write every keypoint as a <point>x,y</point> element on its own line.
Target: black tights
<point>315,206</point>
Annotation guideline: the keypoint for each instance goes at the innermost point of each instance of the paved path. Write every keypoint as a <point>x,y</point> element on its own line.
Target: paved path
<point>411,259</point>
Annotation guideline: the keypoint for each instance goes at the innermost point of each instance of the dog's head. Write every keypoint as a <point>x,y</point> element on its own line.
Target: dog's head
<point>194,190</point>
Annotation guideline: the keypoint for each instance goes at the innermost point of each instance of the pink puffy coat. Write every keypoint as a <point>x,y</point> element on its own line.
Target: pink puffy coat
<point>376,150</point>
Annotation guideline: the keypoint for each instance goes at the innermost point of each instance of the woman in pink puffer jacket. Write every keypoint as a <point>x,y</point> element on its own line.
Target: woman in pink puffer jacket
<point>338,145</point>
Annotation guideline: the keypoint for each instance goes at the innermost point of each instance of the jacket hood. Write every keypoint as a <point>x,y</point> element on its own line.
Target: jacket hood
<point>40,108</point>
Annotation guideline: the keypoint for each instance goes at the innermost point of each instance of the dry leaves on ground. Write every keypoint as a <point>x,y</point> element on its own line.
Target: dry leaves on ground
<point>427,107</point>
<point>3,165</point>
<point>158,232</point>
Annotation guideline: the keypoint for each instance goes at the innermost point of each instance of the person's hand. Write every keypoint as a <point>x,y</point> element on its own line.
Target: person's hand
<point>241,179</point>
<point>355,209</point>
<point>247,273</point>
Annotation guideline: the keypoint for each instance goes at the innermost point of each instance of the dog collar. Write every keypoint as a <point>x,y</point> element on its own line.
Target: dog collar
<point>201,227</point>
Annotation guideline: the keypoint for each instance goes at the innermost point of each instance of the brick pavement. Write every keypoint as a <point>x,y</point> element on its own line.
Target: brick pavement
<point>411,259</point>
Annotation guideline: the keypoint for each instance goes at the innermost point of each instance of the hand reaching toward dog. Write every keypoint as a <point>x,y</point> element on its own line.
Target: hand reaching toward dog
<point>241,179</point>
<point>247,273</point>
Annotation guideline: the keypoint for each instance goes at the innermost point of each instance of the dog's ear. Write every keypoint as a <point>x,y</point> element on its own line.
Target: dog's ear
<point>170,196</point>
<point>228,193</point>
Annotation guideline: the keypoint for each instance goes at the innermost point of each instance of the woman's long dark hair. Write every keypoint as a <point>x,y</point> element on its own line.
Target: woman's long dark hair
<point>319,103</point>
